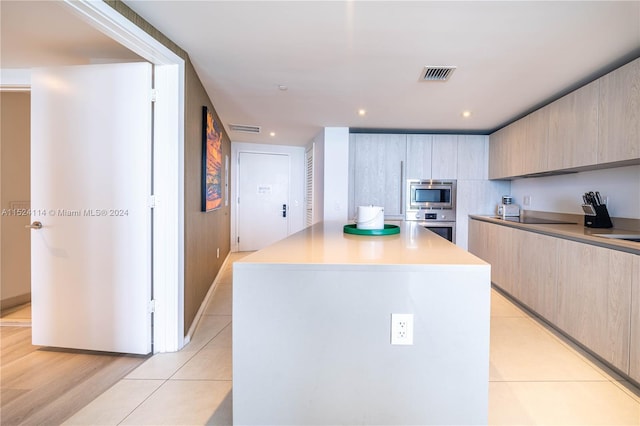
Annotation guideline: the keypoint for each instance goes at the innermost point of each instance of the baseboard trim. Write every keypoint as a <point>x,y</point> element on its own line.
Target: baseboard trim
<point>205,302</point>
<point>12,302</point>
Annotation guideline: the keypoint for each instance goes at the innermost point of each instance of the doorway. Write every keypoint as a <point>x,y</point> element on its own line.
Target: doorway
<point>263,202</point>
<point>15,272</point>
<point>168,220</point>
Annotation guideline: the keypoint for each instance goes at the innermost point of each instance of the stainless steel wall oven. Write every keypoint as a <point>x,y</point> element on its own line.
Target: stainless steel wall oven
<point>433,204</point>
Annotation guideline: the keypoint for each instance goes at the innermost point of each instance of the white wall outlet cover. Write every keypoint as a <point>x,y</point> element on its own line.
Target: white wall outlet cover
<point>402,329</point>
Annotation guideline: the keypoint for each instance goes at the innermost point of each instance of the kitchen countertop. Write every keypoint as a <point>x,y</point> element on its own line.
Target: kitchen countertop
<point>576,232</point>
<point>325,243</point>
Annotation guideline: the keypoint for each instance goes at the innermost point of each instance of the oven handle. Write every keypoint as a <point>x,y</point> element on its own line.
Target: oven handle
<point>401,187</point>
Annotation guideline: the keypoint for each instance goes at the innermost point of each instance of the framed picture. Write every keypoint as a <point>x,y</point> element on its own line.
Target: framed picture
<point>211,162</point>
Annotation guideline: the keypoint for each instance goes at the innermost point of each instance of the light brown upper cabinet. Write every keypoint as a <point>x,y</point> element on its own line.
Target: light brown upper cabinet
<point>573,129</point>
<point>498,154</point>
<point>505,151</point>
<point>619,114</point>
<point>536,142</point>
<point>596,124</point>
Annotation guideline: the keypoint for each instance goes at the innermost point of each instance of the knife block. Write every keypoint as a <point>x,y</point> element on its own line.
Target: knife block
<point>600,220</point>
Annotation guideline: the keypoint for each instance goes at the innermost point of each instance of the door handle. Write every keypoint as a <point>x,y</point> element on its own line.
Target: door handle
<point>34,225</point>
<point>284,210</point>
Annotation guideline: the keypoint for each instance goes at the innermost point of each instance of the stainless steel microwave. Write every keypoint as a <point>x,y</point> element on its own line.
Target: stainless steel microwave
<point>431,194</point>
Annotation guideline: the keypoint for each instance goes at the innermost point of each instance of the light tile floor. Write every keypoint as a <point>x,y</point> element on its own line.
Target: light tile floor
<point>536,377</point>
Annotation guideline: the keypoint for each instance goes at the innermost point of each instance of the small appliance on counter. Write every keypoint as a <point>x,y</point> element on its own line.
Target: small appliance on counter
<point>595,211</point>
<point>507,208</point>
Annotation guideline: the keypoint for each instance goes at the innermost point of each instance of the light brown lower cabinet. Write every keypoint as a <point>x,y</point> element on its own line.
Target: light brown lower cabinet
<point>494,245</point>
<point>537,283</point>
<point>594,299</point>
<point>591,293</point>
<point>634,359</point>
<point>522,263</point>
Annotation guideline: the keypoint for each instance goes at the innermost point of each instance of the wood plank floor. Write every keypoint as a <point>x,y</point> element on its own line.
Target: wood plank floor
<point>45,386</point>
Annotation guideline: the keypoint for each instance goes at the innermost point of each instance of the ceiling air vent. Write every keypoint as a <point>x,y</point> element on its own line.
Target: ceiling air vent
<point>244,128</point>
<point>437,73</point>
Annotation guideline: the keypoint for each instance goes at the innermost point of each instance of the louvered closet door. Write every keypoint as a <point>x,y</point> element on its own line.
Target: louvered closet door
<point>309,187</point>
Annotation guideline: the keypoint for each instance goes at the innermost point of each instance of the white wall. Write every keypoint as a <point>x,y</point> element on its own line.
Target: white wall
<point>563,193</point>
<point>331,174</point>
<point>336,173</point>
<point>296,179</point>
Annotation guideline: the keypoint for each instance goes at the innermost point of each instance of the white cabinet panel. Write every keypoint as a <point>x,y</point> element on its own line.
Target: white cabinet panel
<point>434,156</point>
<point>444,157</point>
<point>473,152</point>
<point>419,150</point>
<point>379,161</point>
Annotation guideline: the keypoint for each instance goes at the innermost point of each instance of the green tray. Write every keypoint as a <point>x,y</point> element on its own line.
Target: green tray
<point>388,230</point>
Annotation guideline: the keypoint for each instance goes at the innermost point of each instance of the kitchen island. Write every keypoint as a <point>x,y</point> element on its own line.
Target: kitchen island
<point>312,330</point>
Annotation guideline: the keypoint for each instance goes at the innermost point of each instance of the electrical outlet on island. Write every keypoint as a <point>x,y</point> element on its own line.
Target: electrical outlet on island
<point>402,329</point>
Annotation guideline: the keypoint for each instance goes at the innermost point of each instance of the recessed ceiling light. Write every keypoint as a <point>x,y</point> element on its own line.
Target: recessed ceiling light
<point>282,87</point>
<point>362,112</point>
<point>466,114</point>
<point>272,134</point>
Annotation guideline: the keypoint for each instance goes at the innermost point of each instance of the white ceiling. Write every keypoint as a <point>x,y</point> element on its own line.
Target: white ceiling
<point>336,57</point>
<point>48,33</point>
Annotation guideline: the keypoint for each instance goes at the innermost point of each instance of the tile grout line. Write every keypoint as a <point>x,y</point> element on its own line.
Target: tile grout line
<point>143,401</point>
<point>596,365</point>
<point>574,348</point>
<point>171,377</point>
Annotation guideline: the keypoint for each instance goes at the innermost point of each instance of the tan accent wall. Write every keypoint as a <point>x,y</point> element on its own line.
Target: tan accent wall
<point>204,232</point>
<point>15,137</point>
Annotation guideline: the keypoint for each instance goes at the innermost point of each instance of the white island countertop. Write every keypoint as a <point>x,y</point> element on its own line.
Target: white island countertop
<point>325,243</point>
<point>313,341</point>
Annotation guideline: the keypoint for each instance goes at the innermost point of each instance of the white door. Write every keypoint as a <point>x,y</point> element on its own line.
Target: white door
<point>263,199</point>
<point>90,188</point>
